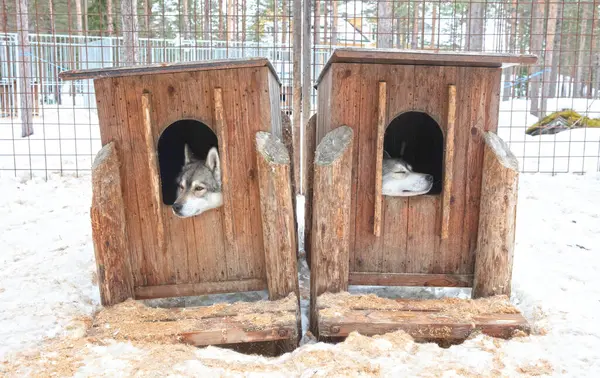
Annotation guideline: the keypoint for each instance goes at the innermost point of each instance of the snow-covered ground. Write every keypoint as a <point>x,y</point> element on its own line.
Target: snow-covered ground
<point>48,292</point>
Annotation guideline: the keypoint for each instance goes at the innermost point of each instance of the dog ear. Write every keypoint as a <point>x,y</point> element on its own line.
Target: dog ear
<point>188,155</point>
<point>213,163</point>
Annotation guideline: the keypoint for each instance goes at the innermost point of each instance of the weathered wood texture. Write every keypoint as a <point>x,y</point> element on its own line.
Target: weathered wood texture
<point>331,214</point>
<point>448,160</point>
<point>162,68</point>
<point>309,157</point>
<point>288,140</point>
<point>108,228</point>
<point>427,320</point>
<point>197,249</point>
<point>279,231</point>
<point>410,239</point>
<point>381,125</point>
<point>497,215</point>
<point>407,279</point>
<point>211,325</point>
<point>424,58</point>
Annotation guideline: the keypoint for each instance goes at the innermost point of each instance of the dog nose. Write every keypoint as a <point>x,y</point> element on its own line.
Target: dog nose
<point>430,178</point>
<point>177,207</point>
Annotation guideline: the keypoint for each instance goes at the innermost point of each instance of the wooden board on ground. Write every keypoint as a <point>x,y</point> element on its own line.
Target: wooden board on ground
<point>449,319</point>
<point>223,323</point>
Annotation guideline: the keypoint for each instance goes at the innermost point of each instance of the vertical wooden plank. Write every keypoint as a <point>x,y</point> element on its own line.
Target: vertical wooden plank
<point>424,212</point>
<point>119,130</point>
<point>206,257</point>
<point>366,244</point>
<point>381,124</point>
<point>449,160</point>
<point>279,229</point>
<point>109,230</point>
<point>309,156</point>
<point>331,221</point>
<point>221,127</point>
<point>152,160</point>
<point>395,209</point>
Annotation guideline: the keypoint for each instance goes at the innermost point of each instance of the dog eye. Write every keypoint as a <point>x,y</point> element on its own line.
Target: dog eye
<point>181,186</point>
<point>199,188</point>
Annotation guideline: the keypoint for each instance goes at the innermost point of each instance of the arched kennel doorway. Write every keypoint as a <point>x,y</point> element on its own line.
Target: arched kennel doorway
<point>199,137</point>
<point>417,138</point>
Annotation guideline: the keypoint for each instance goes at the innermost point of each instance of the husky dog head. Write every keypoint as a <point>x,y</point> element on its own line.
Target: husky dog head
<point>399,180</point>
<point>198,184</point>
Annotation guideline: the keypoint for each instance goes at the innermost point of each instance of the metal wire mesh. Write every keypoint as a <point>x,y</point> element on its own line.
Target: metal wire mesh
<point>39,39</point>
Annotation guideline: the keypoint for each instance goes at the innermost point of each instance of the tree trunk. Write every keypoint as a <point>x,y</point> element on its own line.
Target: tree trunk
<point>56,88</point>
<point>415,32</point>
<point>230,20</point>
<point>186,19</point>
<point>476,26</point>
<point>325,20</point>
<point>583,55</point>
<point>554,74</point>
<point>129,27</point>
<point>147,16</point>
<point>512,47</point>
<point>317,23</point>
<point>537,31</point>
<point>207,24</point>
<point>384,24</point>
<point>221,30</point>
<point>284,23</point>
<point>548,55</point>
<point>244,20</point>
<point>334,24</point>
<point>24,51</point>
<point>433,25</point>
<point>109,18</point>
<point>79,17</point>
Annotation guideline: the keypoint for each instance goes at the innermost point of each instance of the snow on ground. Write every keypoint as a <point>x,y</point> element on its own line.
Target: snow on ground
<point>47,280</point>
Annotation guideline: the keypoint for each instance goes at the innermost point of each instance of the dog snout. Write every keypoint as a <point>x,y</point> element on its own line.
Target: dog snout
<point>177,207</point>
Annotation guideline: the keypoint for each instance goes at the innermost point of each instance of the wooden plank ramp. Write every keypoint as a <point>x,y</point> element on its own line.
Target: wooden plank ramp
<point>439,320</point>
<point>222,323</point>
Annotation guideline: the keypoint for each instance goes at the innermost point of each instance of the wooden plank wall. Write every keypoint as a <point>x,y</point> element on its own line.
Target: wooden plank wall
<point>194,247</point>
<point>410,240</point>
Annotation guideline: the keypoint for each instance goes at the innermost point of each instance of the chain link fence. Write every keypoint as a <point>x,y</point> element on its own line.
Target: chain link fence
<point>48,126</point>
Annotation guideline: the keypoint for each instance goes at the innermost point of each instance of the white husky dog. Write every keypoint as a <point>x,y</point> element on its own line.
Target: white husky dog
<point>399,179</point>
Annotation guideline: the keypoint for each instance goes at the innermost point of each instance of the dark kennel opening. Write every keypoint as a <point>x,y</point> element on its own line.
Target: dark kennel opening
<point>171,144</point>
<point>418,139</point>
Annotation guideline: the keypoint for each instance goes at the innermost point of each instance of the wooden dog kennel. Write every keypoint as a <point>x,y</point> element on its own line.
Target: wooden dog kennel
<point>142,249</point>
<point>443,107</point>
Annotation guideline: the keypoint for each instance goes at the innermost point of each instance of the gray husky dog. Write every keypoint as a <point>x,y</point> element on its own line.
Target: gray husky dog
<point>399,179</point>
<point>198,184</point>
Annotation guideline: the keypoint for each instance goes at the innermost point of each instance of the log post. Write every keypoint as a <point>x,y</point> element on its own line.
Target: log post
<point>449,161</point>
<point>109,233</point>
<point>288,141</point>
<point>496,235</point>
<point>331,216</point>
<point>310,142</point>
<point>381,123</point>
<point>279,233</point>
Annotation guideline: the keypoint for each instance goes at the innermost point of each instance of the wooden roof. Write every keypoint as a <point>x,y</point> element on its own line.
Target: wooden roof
<point>425,57</point>
<point>162,68</point>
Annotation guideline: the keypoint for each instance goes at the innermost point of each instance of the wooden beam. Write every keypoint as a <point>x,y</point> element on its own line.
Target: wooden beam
<point>381,124</point>
<point>200,288</point>
<point>449,161</point>
<point>154,171</point>
<point>230,332</point>
<point>222,133</point>
<point>162,68</point>
<point>331,214</point>
<point>310,130</point>
<point>420,325</point>
<point>277,209</point>
<point>498,209</point>
<point>406,279</point>
<point>109,232</point>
